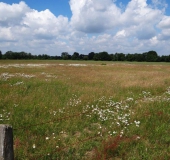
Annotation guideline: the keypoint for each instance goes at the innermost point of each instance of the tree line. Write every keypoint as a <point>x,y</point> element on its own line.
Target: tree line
<point>150,56</point>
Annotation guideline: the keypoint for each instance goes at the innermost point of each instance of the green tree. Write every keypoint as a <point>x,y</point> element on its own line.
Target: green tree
<point>75,56</point>
<point>91,55</point>
<point>96,57</point>
<point>9,55</point>
<point>151,56</point>
<point>104,56</point>
<point>165,58</point>
<point>138,57</point>
<point>85,58</point>
<point>130,57</point>
<point>120,57</point>
<point>65,55</point>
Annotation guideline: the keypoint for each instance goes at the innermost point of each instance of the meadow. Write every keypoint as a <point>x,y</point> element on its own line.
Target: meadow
<point>78,110</point>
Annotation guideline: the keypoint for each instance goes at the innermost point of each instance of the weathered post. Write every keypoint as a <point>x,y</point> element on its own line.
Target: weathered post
<point>6,142</point>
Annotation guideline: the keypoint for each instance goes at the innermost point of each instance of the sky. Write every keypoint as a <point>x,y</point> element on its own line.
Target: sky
<point>55,26</point>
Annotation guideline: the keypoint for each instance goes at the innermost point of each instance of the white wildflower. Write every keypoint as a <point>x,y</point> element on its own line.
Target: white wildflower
<point>33,146</point>
<point>47,138</point>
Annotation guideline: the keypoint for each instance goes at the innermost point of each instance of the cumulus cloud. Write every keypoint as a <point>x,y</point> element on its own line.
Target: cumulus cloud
<point>165,22</point>
<point>138,12</point>
<point>164,25</point>
<point>11,15</point>
<point>27,27</point>
<point>44,23</point>
<point>6,35</point>
<point>94,16</point>
<point>138,18</point>
<point>161,4</point>
<point>95,25</point>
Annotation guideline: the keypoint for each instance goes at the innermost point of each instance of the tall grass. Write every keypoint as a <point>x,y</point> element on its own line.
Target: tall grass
<point>86,110</point>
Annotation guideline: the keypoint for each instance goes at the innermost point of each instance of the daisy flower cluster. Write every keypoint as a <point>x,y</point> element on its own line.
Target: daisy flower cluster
<point>4,115</point>
<point>115,115</point>
<point>74,101</point>
<point>6,76</point>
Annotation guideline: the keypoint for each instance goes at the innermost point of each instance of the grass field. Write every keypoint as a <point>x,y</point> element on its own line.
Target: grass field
<point>87,110</point>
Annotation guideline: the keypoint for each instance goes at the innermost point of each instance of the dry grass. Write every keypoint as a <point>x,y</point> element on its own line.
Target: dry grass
<point>41,91</point>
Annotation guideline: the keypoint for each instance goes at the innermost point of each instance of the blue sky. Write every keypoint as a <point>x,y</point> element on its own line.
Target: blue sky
<point>57,7</point>
<point>56,26</point>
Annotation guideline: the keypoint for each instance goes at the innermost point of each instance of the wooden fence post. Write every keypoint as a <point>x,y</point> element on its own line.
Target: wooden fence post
<point>6,142</point>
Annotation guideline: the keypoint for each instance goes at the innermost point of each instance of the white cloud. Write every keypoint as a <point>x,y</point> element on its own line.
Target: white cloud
<point>139,13</point>
<point>6,35</point>
<point>27,28</point>
<point>164,23</point>
<point>95,25</point>
<point>121,33</point>
<point>161,4</point>
<point>44,25</point>
<point>11,15</point>
<point>138,19</point>
<point>94,16</point>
